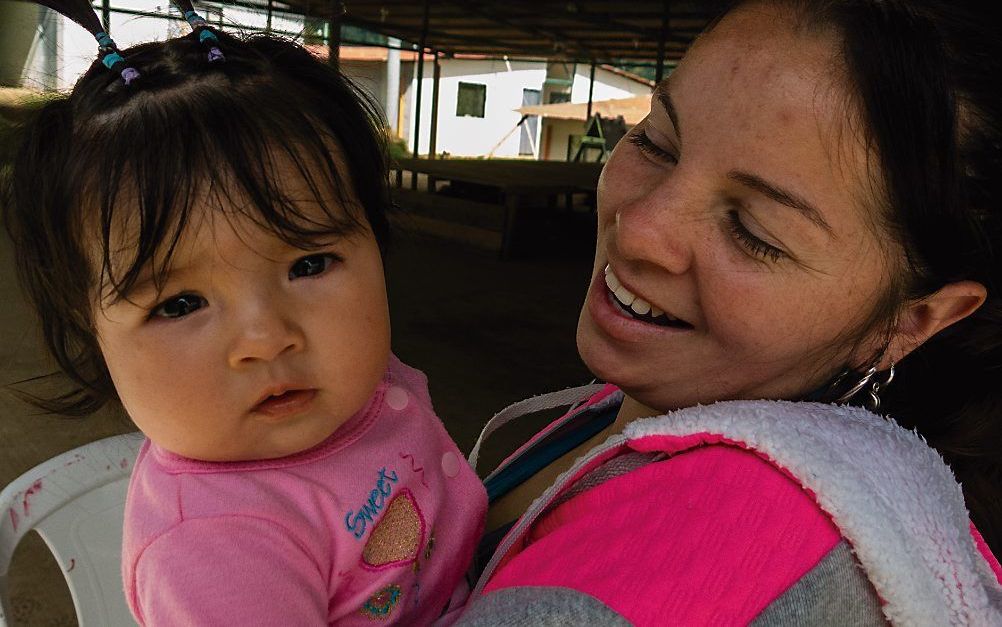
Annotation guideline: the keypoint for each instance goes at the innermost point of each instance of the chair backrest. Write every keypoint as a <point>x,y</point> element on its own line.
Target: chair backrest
<point>76,502</point>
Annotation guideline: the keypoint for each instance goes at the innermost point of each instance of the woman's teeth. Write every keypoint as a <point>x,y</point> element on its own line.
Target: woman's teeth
<point>636,306</point>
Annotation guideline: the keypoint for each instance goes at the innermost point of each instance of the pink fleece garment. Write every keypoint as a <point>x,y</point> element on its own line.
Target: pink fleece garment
<point>376,524</point>
<point>710,536</point>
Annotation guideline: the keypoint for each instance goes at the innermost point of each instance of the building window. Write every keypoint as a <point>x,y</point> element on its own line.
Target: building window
<point>559,96</point>
<point>471,100</point>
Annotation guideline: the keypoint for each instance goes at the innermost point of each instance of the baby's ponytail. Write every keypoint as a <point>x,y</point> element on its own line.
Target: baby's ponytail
<point>81,12</point>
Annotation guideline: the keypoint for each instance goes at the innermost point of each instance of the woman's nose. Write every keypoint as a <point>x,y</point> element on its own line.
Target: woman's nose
<point>264,334</point>
<point>659,225</point>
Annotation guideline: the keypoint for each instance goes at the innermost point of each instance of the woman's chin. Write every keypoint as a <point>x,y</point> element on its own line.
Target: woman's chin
<point>605,360</point>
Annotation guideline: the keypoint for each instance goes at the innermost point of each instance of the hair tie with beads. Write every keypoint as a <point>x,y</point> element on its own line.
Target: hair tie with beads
<point>205,36</point>
<point>112,59</point>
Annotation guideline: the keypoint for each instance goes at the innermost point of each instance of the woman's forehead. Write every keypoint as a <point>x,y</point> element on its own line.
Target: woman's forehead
<point>762,94</point>
<point>760,42</point>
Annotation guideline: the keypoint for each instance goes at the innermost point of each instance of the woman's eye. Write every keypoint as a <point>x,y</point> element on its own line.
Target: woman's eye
<point>750,242</point>
<point>311,265</point>
<point>178,306</point>
<point>640,139</point>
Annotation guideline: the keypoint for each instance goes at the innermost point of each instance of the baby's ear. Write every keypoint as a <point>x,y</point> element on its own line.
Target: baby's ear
<point>923,318</point>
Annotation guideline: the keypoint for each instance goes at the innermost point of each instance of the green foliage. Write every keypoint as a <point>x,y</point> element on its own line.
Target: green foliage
<point>397,147</point>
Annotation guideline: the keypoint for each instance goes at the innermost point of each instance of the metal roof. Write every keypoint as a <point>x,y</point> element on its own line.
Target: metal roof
<point>577,30</point>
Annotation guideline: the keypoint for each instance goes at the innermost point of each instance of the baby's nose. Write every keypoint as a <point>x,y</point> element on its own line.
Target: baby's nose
<point>264,335</point>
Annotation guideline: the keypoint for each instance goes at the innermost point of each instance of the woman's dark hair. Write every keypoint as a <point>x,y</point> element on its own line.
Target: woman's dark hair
<point>113,158</point>
<point>926,81</point>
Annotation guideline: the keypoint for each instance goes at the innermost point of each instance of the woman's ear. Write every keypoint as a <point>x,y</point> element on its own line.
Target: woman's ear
<point>923,318</point>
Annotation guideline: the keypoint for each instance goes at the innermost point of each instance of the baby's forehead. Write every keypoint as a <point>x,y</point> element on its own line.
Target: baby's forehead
<point>141,234</point>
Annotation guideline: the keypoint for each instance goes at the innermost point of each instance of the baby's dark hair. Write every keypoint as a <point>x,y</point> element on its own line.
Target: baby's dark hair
<point>145,153</point>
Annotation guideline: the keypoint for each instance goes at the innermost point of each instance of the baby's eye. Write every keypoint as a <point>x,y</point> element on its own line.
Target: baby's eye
<point>179,306</point>
<point>311,265</point>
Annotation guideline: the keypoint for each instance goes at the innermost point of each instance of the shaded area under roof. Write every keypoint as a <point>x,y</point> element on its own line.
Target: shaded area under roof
<point>575,30</point>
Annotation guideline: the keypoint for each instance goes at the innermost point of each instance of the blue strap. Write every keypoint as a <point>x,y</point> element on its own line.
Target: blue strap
<point>585,425</point>
<point>111,59</point>
<point>104,40</point>
<point>207,35</point>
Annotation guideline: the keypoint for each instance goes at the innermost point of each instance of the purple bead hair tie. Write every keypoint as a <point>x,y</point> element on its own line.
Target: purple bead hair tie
<point>112,60</point>
<point>130,74</point>
<point>205,36</point>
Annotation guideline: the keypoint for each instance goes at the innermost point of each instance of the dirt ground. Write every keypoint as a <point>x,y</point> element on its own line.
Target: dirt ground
<point>486,332</point>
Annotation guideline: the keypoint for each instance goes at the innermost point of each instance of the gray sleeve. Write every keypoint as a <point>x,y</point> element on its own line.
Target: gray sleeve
<point>546,606</point>
<point>835,592</point>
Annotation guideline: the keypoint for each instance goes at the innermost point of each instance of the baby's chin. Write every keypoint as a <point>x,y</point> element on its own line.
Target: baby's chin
<point>258,449</point>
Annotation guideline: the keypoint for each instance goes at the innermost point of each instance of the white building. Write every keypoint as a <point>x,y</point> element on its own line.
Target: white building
<point>478,98</point>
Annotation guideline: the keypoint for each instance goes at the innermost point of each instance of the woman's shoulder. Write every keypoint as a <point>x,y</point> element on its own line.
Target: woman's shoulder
<point>891,496</point>
<point>715,532</point>
<point>742,483</point>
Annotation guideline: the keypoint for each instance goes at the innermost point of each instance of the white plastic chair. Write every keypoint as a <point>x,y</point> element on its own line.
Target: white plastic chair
<point>76,502</point>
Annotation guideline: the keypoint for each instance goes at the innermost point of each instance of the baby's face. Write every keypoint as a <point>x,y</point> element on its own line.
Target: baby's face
<point>254,349</point>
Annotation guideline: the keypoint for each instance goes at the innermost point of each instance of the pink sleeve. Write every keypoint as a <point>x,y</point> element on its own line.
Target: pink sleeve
<point>229,571</point>
<point>711,536</point>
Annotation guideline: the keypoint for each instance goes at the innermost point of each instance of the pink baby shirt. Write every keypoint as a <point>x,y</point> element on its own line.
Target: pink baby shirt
<point>377,524</point>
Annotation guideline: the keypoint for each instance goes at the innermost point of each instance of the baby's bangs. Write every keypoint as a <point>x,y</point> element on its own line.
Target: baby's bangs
<point>296,186</point>
<point>284,174</point>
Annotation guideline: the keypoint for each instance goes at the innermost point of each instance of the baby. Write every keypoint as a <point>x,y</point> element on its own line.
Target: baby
<point>201,230</point>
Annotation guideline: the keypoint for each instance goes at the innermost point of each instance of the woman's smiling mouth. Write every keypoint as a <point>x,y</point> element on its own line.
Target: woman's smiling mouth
<point>637,307</point>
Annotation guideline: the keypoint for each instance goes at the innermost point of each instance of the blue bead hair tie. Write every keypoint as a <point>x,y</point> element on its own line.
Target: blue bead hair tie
<point>205,36</point>
<point>111,58</point>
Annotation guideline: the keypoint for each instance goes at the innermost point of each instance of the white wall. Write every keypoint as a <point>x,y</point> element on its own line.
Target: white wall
<point>18,29</point>
<point>556,135</point>
<point>470,136</point>
<point>608,85</point>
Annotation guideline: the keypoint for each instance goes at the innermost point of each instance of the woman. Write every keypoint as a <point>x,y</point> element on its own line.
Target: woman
<point>810,207</point>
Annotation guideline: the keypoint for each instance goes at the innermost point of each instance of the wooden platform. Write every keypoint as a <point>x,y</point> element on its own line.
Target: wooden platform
<point>484,202</point>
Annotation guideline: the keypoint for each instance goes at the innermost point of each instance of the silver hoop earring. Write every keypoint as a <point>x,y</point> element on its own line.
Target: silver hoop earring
<point>873,402</point>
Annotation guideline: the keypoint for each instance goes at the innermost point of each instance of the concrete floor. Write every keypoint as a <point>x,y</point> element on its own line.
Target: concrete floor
<point>486,332</point>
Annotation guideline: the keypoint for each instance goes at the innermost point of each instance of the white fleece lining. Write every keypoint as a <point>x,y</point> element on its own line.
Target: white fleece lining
<point>890,494</point>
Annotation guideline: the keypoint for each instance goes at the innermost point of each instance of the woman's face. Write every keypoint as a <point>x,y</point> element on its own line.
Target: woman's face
<point>736,223</point>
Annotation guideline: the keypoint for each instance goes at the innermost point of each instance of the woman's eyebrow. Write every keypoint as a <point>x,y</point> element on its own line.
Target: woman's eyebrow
<point>782,196</point>
<point>664,97</point>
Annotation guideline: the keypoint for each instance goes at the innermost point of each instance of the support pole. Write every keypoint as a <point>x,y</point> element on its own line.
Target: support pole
<point>433,140</point>
<point>393,86</point>
<point>591,87</point>
<point>334,33</point>
<point>417,95</point>
<point>271,5</point>
<point>659,71</point>
<point>106,15</point>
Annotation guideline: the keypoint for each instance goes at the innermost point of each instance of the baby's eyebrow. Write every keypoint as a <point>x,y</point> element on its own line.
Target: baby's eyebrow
<point>146,283</point>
